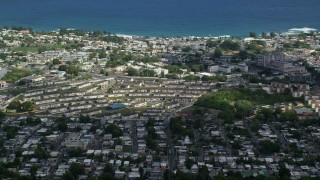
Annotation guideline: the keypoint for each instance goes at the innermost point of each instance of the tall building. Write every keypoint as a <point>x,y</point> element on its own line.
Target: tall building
<point>277,61</point>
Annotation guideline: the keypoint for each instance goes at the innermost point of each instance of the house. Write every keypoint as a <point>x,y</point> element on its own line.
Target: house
<point>73,140</point>
<point>305,113</point>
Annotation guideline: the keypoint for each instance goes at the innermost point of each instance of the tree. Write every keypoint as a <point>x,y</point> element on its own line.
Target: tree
<point>33,170</point>
<point>272,34</point>
<point>147,73</point>
<point>2,116</point>
<point>211,44</point>
<point>230,45</point>
<point>132,72</point>
<point>56,61</point>
<point>243,55</point>
<point>108,173</point>
<point>174,69</point>
<point>92,55</point>
<point>217,53</point>
<point>68,176</point>
<point>205,78</point>
<point>114,130</point>
<point>186,49</point>
<point>84,119</point>
<point>27,106</point>
<point>102,54</point>
<point>253,34</point>
<point>263,35</point>
<point>268,147</point>
<point>62,68</point>
<point>76,170</point>
<point>75,152</point>
<point>62,126</point>
<point>29,120</point>
<point>41,153</point>
<point>284,173</point>
<point>73,70</point>
<point>203,173</point>
<point>14,105</point>
<point>189,163</point>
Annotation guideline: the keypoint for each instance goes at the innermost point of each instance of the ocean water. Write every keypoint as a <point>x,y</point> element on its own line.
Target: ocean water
<point>163,17</point>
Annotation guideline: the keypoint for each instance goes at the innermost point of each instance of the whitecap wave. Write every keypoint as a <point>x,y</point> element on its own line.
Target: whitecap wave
<point>302,30</point>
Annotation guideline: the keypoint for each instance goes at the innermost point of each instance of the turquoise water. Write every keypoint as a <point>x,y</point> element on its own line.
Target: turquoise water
<point>164,17</point>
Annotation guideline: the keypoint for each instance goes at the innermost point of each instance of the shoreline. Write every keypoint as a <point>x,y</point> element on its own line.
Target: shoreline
<point>291,31</point>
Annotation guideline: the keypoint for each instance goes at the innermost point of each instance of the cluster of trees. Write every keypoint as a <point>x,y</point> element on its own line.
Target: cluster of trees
<point>26,106</point>
<point>70,69</point>
<point>114,130</point>
<point>237,103</point>
<point>297,44</point>
<point>118,58</point>
<point>31,121</point>
<point>141,72</point>
<point>268,147</point>
<point>269,115</point>
<point>212,44</point>
<point>203,174</point>
<point>75,152</point>
<point>230,45</point>
<point>152,137</point>
<point>11,131</point>
<point>75,170</point>
<point>219,78</point>
<point>62,123</point>
<point>41,153</point>
<point>178,129</point>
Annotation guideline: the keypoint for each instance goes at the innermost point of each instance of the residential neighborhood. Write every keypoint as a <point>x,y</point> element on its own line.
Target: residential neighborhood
<point>94,105</point>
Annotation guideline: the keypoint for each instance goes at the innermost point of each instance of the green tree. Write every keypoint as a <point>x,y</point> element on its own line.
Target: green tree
<point>284,173</point>
<point>217,53</point>
<point>102,54</point>
<point>263,35</point>
<point>186,49</point>
<point>62,126</point>
<point>132,72</point>
<point>2,117</point>
<point>41,153</point>
<point>75,152</point>
<point>76,170</point>
<point>62,68</point>
<point>273,34</point>
<point>211,44</point>
<point>203,173</point>
<point>114,130</point>
<point>253,34</point>
<point>230,45</point>
<point>268,147</point>
<point>33,170</point>
<point>56,61</point>
<point>189,163</point>
<point>147,73</point>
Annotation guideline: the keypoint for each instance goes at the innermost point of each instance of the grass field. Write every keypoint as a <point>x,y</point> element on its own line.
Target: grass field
<point>36,49</point>
<point>16,74</point>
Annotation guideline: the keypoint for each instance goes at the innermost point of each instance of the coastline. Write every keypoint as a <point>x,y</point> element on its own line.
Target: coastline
<point>291,31</point>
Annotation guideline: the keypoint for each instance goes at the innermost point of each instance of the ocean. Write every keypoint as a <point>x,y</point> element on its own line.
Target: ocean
<point>163,17</point>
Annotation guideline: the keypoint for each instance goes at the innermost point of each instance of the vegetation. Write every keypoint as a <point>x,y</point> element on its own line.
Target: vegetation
<point>178,127</point>
<point>26,106</point>
<point>15,74</point>
<point>268,147</point>
<point>238,102</point>
<point>230,45</point>
<point>114,130</point>
<point>141,72</point>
